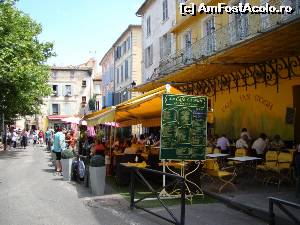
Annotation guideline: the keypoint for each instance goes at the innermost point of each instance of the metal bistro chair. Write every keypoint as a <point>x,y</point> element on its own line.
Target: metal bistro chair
<point>283,169</point>
<point>224,176</point>
<point>266,167</point>
<point>209,150</point>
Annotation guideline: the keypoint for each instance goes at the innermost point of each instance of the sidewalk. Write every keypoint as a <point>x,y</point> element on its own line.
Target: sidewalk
<point>252,198</point>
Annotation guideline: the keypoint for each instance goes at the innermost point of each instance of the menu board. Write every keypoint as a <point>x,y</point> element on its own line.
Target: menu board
<point>183,127</point>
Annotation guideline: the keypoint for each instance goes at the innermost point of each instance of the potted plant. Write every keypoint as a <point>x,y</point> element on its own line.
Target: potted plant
<point>97,174</point>
<point>66,162</point>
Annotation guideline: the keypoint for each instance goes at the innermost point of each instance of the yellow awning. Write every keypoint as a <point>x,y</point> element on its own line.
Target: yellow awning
<point>100,117</point>
<point>144,109</point>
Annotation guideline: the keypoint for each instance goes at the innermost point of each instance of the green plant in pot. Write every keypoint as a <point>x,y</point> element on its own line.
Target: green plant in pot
<point>67,154</point>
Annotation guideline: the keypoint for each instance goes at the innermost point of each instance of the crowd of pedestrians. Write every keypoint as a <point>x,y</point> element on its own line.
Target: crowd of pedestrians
<point>20,138</point>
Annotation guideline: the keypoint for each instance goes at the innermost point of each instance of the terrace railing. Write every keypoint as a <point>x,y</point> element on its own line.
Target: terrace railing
<point>239,29</point>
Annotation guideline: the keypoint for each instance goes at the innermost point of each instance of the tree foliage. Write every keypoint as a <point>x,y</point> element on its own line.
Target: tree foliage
<point>23,73</point>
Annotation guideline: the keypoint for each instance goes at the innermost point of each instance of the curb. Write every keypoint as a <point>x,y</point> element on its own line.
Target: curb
<point>250,210</point>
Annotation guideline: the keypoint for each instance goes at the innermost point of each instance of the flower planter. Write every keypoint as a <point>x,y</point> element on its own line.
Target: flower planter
<point>66,168</point>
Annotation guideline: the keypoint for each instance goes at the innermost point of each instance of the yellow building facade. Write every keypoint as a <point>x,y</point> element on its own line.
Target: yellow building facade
<point>248,64</point>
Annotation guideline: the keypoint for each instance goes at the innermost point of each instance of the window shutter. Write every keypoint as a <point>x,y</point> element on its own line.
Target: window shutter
<point>58,109</point>
<point>64,90</point>
<point>169,43</point>
<point>151,54</point>
<point>161,47</point>
<point>58,90</point>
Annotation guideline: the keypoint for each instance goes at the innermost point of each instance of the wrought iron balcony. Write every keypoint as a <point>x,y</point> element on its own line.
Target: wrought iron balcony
<point>240,29</point>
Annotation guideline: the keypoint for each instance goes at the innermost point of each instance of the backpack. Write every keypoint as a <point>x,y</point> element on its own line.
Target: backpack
<point>81,169</point>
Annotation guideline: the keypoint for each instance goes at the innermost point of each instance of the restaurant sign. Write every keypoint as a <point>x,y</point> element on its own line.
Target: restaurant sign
<point>183,127</point>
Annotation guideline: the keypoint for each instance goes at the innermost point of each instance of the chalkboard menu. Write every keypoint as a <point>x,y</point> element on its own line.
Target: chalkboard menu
<point>183,127</point>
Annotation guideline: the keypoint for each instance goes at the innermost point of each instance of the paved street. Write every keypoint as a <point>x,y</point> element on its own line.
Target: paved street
<point>30,194</point>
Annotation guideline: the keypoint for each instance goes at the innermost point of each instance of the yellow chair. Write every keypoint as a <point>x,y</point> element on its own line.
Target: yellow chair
<point>209,150</point>
<point>211,169</point>
<point>270,162</point>
<point>239,152</point>
<point>283,169</point>
<point>216,150</point>
<point>266,167</point>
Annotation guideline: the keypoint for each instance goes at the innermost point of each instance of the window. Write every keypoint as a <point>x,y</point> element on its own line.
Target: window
<point>68,90</point>
<point>72,74</point>
<point>239,26</point>
<point>97,105</point>
<point>149,56</point>
<point>68,109</point>
<point>83,83</point>
<point>55,90</point>
<point>128,43</point>
<point>165,10</point>
<point>55,109</point>
<point>54,74</point>
<point>118,78</point>
<point>126,69</point>
<point>122,77</point>
<point>165,45</point>
<point>83,99</point>
<point>118,52</point>
<point>124,48</point>
<point>210,35</point>
<point>148,27</point>
<point>187,43</point>
<point>97,89</point>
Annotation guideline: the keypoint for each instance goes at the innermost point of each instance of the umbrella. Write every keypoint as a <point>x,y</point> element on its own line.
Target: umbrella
<point>72,119</point>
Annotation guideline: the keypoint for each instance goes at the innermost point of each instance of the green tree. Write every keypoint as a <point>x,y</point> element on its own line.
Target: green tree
<point>23,72</point>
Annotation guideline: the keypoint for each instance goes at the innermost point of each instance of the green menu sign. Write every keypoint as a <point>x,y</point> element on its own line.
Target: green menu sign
<point>183,127</point>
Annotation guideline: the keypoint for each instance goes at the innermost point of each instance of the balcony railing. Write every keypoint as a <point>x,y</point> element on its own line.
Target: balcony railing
<point>239,29</point>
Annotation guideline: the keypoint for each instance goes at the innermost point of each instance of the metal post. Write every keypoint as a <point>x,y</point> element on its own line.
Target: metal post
<point>182,216</point>
<point>271,213</point>
<point>132,184</point>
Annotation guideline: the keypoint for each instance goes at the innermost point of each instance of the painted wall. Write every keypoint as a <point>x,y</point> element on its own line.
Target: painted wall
<point>259,110</point>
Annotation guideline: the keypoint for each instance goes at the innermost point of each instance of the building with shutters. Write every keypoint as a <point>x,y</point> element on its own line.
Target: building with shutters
<point>248,64</point>
<point>72,88</point>
<point>121,66</point>
<point>158,17</point>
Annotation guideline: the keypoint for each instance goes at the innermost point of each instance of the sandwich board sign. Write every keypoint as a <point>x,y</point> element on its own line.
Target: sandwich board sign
<point>183,127</point>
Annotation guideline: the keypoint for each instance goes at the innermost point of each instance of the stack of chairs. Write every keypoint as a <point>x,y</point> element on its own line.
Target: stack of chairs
<point>277,168</point>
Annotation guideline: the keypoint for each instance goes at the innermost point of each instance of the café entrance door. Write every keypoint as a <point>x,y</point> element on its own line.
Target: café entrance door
<point>296,97</point>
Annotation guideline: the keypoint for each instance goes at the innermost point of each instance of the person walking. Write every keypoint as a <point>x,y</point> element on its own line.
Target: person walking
<point>8,138</point>
<point>41,137</point>
<point>47,137</point>
<point>59,145</point>
<point>24,136</point>
<point>34,137</point>
<point>14,138</point>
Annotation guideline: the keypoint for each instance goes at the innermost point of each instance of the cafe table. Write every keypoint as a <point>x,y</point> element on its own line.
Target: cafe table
<point>245,161</point>
<point>218,155</point>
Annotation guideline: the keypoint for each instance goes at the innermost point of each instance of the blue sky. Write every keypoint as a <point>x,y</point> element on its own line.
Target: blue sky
<point>81,29</point>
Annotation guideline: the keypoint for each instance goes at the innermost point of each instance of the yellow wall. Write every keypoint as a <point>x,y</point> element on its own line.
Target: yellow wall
<point>259,110</point>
